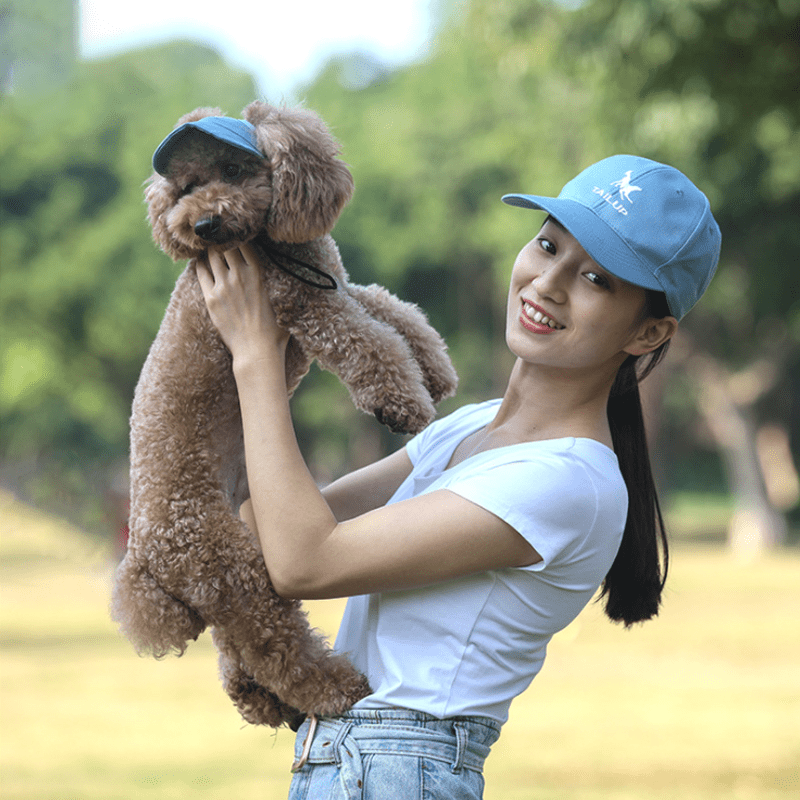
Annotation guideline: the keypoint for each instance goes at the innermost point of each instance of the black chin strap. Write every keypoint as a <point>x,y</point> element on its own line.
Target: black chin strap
<point>302,270</point>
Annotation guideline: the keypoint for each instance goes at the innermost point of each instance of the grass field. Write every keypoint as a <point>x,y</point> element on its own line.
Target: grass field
<point>702,704</point>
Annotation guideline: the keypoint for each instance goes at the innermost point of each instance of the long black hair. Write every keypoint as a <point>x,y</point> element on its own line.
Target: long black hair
<point>633,586</point>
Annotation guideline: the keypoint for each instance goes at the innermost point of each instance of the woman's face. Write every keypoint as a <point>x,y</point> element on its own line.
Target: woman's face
<point>565,311</point>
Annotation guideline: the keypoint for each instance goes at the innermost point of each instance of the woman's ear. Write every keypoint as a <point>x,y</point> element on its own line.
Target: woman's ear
<point>652,334</point>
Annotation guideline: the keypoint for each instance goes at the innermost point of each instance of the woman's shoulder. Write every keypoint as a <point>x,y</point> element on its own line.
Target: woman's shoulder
<point>483,409</point>
<point>564,451</point>
<point>455,425</point>
<point>567,466</point>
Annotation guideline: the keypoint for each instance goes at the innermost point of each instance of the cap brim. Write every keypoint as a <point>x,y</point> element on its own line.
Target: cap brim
<point>596,237</point>
<point>234,132</point>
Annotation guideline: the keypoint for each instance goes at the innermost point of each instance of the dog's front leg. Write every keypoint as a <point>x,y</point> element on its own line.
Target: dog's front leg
<point>370,357</point>
<point>410,322</point>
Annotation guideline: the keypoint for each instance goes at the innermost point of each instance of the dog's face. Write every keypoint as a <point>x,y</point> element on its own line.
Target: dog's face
<point>216,194</point>
<point>213,194</point>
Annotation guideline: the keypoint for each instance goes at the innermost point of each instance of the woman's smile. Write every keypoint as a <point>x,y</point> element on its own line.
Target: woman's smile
<point>536,319</point>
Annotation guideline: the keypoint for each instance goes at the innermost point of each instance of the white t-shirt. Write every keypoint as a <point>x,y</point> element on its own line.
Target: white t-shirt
<point>470,645</point>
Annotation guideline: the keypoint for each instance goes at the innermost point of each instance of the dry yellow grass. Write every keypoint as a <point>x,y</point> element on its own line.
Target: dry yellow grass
<point>702,704</point>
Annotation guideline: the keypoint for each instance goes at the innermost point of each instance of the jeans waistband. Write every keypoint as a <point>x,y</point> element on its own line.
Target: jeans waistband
<point>462,742</point>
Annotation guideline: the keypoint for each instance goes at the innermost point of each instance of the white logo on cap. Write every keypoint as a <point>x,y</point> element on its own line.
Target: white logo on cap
<point>626,187</point>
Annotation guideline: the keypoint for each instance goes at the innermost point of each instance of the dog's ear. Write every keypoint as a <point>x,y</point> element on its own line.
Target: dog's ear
<point>199,113</point>
<point>310,184</point>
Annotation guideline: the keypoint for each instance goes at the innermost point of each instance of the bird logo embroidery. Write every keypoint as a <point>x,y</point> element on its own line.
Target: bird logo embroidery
<point>626,187</point>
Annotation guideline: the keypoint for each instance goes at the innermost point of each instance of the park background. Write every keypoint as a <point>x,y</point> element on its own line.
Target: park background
<point>508,95</point>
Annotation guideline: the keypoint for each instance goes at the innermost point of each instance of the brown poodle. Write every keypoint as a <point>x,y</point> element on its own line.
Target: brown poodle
<point>274,180</point>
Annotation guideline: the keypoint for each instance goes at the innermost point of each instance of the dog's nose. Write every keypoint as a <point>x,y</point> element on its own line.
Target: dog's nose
<point>208,228</point>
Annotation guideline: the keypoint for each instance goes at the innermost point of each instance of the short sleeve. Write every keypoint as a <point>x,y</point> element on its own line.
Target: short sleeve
<point>551,501</point>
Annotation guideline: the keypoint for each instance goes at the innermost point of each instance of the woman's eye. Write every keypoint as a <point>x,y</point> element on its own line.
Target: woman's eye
<point>597,278</point>
<point>547,246</point>
<point>231,171</point>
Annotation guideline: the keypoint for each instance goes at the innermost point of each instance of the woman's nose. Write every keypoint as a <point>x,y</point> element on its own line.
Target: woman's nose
<point>550,283</point>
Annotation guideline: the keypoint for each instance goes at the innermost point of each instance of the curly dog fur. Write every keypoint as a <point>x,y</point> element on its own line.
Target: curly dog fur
<point>191,563</point>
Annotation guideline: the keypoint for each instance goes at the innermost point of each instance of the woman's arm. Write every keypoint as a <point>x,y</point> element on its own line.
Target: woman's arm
<point>367,488</point>
<point>358,492</point>
<point>308,551</point>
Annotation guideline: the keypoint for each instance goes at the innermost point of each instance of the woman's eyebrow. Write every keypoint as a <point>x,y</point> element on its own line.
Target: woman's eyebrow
<point>556,223</point>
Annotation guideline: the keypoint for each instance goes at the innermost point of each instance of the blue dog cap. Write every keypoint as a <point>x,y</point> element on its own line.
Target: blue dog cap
<point>644,222</point>
<point>236,132</point>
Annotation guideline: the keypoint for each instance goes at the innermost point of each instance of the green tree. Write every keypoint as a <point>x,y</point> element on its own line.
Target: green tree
<point>434,146</point>
<point>433,149</point>
<point>523,93</point>
<point>83,288</point>
<point>515,95</point>
<point>711,86</point>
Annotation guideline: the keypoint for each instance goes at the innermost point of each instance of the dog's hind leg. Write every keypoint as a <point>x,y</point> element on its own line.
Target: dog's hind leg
<point>255,703</point>
<point>293,661</point>
<point>154,621</point>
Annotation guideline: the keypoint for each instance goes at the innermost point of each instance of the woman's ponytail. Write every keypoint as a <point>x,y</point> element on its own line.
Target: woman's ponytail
<point>633,586</point>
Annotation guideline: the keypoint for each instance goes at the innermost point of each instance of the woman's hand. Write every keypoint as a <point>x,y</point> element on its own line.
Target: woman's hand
<point>237,303</point>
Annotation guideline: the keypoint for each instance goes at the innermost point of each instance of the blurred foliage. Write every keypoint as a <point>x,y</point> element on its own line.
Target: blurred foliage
<point>516,95</point>
<point>434,147</point>
<point>713,87</point>
<point>519,95</point>
<point>83,289</point>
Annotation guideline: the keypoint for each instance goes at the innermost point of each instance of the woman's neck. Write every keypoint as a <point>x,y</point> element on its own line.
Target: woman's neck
<point>549,404</point>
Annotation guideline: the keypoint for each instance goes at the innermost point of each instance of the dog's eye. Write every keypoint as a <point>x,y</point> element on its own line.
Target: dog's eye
<point>188,189</point>
<point>231,171</point>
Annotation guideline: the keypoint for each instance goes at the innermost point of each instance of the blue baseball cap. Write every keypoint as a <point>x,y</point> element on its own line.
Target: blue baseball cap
<point>236,132</point>
<point>644,222</point>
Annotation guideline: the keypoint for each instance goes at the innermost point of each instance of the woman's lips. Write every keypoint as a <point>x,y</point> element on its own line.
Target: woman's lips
<point>536,319</point>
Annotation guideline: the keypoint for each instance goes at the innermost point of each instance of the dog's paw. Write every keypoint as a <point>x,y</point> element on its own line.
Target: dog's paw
<point>408,418</point>
<point>259,706</point>
<point>441,379</point>
<point>334,699</point>
<point>395,425</point>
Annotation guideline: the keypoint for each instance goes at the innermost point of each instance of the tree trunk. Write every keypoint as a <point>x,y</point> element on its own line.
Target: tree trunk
<point>755,524</point>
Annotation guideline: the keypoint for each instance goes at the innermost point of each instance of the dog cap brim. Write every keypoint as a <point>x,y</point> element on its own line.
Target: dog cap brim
<point>236,132</point>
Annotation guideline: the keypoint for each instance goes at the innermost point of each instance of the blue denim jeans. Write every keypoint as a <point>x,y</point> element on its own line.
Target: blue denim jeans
<point>407,755</point>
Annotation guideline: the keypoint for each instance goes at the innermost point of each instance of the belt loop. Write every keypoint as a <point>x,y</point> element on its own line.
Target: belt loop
<point>338,743</point>
<point>462,740</point>
<point>312,727</point>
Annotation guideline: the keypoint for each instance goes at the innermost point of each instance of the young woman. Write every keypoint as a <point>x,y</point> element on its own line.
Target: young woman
<point>465,551</point>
